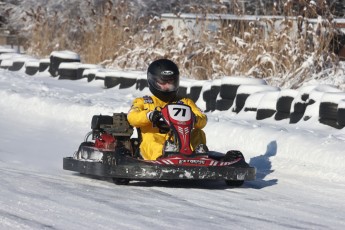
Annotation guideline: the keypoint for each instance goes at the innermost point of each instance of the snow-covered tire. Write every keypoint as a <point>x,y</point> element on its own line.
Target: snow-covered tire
<point>16,66</point>
<point>127,82</point>
<point>228,91</point>
<point>283,108</point>
<point>110,82</point>
<point>210,97</point>
<point>195,92</point>
<point>224,104</point>
<point>341,117</point>
<point>121,181</point>
<point>43,66</point>
<point>31,70</point>
<point>240,100</point>
<point>67,74</point>
<point>262,114</point>
<point>328,114</point>
<point>182,91</point>
<point>298,112</point>
<point>141,84</point>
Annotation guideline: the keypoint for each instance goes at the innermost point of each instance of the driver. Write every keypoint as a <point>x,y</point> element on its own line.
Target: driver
<point>163,81</point>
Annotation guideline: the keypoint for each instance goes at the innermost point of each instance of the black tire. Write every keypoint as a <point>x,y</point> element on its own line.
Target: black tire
<point>43,66</point>
<point>281,116</point>
<point>224,104</point>
<point>126,82</point>
<point>55,63</point>
<point>262,114</point>
<point>195,92</point>
<point>341,116</point>
<point>31,70</point>
<point>141,84</point>
<point>68,74</point>
<point>234,183</point>
<point>182,92</point>
<point>228,91</point>
<point>16,66</point>
<point>121,181</point>
<point>328,114</point>
<point>240,101</point>
<point>298,112</point>
<point>328,111</point>
<point>230,156</point>
<point>110,82</point>
<point>284,104</point>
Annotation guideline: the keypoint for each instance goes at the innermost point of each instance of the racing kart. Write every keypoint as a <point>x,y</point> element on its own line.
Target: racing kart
<point>111,150</point>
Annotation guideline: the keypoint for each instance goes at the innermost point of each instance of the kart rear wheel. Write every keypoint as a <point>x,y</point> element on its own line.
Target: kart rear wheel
<point>234,183</point>
<point>121,181</point>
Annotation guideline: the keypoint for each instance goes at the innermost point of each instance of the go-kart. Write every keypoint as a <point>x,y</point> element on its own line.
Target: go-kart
<point>111,150</point>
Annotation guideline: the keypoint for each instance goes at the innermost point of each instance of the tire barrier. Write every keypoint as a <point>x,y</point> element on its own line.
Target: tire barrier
<point>210,95</point>
<point>228,90</point>
<point>268,105</point>
<point>141,82</point>
<point>252,98</point>
<point>68,70</point>
<point>111,81</point>
<point>284,102</point>
<point>252,102</point>
<point>113,78</point>
<point>300,103</point>
<point>195,90</point>
<point>31,67</point>
<point>82,67</point>
<point>328,113</point>
<point>44,64</point>
<point>90,74</point>
<point>128,79</point>
<point>307,102</point>
<point>18,64</point>
<point>341,113</point>
<point>244,91</point>
<point>58,57</point>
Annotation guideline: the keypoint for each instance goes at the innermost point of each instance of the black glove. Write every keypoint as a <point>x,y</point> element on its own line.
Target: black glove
<point>155,116</point>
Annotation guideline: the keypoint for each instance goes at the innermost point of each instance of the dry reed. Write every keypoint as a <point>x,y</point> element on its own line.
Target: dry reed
<point>284,54</point>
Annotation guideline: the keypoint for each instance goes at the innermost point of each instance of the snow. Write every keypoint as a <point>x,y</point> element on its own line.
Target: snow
<point>66,54</point>
<point>269,100</point>
<point>241,80</point>
<point>300,167</point>
<point>32,63</point>
<point>253,88</point>
<point>69,65</point>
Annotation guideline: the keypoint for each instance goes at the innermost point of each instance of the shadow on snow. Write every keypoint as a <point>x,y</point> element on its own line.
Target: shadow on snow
<point>263,166</point>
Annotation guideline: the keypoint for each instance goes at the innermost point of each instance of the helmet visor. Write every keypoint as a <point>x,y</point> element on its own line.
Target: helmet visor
<point>166,84</point>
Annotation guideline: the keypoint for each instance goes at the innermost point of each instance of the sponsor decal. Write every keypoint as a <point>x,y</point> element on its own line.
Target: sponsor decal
<point>196,162</point>
<point>148,100</point>
<point>167,72</point>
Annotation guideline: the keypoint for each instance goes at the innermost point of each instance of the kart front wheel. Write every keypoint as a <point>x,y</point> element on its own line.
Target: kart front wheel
<point>234,183</point>
<point>121,181</point>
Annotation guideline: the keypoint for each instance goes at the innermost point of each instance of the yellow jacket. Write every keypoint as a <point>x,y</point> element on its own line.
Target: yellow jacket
<point>152,141</point>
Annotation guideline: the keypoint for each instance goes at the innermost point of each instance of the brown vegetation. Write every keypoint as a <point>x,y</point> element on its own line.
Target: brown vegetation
<point>115,37</point>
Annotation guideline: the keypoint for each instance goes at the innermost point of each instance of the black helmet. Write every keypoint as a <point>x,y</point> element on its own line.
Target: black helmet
<point>163,78</point>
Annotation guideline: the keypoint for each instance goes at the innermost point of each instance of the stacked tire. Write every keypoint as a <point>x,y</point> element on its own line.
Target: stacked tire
<point>58,57</point>
<point>329,113</point>
<point>228,90</point>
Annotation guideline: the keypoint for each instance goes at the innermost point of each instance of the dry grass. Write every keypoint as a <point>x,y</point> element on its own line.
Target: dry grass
<point>114,36</point>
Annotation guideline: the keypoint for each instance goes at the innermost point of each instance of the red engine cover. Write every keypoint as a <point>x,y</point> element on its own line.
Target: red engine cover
<point>105,141</point>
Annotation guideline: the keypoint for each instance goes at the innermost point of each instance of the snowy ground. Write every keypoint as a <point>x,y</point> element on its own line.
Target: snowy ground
<point>300,180</point>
